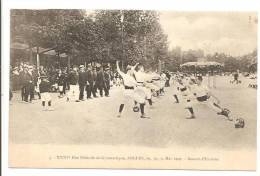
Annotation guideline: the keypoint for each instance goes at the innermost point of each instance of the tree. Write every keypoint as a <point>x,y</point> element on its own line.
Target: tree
<point>103,36</point>
<point>44,28</point>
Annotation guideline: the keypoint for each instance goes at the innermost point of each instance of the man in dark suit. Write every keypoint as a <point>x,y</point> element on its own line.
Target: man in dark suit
<point>29,85</point>
<point>100,81</point>
<point>22,82</point>
<point>107,81</point>
<point>90,82</point>
<point>82,82</point>
<point>73,79</point>
<point>94,71</point>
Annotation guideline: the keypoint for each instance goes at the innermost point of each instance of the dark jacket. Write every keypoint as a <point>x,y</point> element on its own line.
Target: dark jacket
<point>44,86</point>
<point>82,78</point>
<point>28,78</point>
<point>22,78</point>
<point>94,76</point>
<point>107,79</point>
<point>73,78</point>
<point>90,76</point>
<point>100,81</point>
<point>60,79</point>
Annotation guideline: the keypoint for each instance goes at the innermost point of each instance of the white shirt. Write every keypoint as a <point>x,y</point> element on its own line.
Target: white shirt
<point>140,76</point>
<point>201,90</point>
<point>128,80</point>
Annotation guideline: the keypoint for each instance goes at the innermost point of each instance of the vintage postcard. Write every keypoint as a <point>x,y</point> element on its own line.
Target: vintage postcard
<point>133,89</point>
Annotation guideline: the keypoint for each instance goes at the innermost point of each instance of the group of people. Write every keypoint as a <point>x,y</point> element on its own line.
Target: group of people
<point>24,77</point>
<point>72,83</point>
<point>90,79</point>
<point>139,86</point>
<point>193,92</point>
<point>80,80</point>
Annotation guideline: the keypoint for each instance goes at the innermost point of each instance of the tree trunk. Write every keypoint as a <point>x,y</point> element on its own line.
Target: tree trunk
<point>30,54</point>
<point>68,63</point>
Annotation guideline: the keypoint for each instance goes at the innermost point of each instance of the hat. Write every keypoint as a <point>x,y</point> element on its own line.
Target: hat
<point>81,66</point>
<point>15,68</point>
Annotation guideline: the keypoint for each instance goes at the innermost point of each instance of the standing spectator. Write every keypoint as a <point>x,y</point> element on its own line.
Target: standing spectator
<point>90,82</point>
<point>100,82</point>
<point>60,81</point>
<point>29,84</point>
<point>44,88</point>
<point>95,81</point>
<point>82,82</point>
<point>73,79</point>
<point>22,80</point>
<point>15,78</point>
<point>65,81</point>
<point>36,81</point>
<point>107,81</point>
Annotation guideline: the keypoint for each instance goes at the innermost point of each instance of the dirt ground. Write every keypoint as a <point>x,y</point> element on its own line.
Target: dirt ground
<point>94,121</point>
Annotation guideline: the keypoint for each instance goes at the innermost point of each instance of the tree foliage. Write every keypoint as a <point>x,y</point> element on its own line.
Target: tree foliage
<point>102,36</point>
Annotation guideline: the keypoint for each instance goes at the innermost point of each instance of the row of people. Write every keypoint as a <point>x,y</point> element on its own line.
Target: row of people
<point>139,87</point>
<point>86,79</point>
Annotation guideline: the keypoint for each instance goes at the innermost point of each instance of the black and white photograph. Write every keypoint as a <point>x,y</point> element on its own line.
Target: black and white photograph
<point>133,89</point>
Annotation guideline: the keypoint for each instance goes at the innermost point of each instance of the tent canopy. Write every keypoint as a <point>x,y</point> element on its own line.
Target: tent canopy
<point>49,51</point>
<point>201,64</point>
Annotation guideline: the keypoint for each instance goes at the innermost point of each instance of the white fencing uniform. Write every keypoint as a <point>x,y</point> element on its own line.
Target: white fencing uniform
<point>156,81</point>
<point>141,93</point>
<point>37,89</point>
<point>203,98</point>
<point>129,86</point>
<point>45,97</point>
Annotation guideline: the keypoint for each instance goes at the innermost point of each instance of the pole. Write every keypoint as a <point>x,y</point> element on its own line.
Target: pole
<point>37,59</point>
<point>159,66</point>
<point>30,54</point>
<point>59,59</point>
<point>69,62</point>
<point>122,39</point>
<point>145,48</point>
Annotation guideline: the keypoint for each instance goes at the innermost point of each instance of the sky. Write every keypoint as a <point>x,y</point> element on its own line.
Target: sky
<point>233,33</point>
